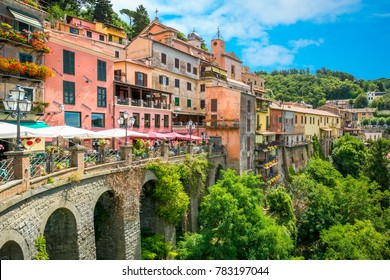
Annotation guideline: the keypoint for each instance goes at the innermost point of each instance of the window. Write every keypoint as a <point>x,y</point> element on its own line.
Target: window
<point>97,120</point>
<point>248,124</point>
<point>249,105</point>
<point>177,101</point>
<point>22,26</point>
<point>280,119</point>
<point>101,97</point>
<point>157,121</point>
<point>202,104</point>
<point>141,79</point>
<point>74,31</point>
<point>101,37</point>
<point>147,120</point>
<point>301,119</point>
<point>188,103</point>
<point>202,88</point>
<point>109,38</point>
<point>69,92</point>
<point>296,119</point>
<point>214,120</point>
<point>29,93</point>
<point>23,57</point>
<point>164,80</point>
<point>189,67</point>
<point>177,63</point>
<point>166,121</point>
<point>189,86</point>
<point>177,83</point>
<point>136,117</point>
<point>101,70</point>
<point>195,71</point>
<point>116,54</point>
<point>305,120</point>
<point>69,60</point>
<point>233,69</point>
<point>163,58</point>
<point>214,105</point>
<point>120,41</point>
<point>73,119</point>
<point>89,34</point>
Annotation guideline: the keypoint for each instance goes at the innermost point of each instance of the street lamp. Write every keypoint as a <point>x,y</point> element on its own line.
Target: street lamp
<point>17,106</point>
<point>190,127</point>
<point>127,121</point>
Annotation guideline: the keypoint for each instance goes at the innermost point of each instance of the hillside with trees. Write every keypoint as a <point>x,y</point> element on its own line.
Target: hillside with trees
<point>302,86</point>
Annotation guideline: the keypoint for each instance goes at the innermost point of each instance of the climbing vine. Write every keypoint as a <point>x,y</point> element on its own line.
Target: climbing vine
<point>193,173</point>
<point>169,191</point>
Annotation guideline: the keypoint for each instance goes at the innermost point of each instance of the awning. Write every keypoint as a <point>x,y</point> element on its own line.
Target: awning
<point>30,124</point>
<point>265,133</point>
<point>326,128</point>
<point>23,17</point>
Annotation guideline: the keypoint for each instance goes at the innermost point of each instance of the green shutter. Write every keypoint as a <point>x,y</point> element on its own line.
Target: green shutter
<point>69,92</point>
<point>102,97</point>
<point>101,70</point>
<point>188,103</point>
<point>68,62</point>
<point>177,101</point>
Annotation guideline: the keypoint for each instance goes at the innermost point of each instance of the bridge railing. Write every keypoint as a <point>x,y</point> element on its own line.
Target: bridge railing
<point>23,170</point>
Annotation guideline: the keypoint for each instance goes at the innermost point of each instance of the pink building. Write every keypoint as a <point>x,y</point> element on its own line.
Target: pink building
<point>82,92</point>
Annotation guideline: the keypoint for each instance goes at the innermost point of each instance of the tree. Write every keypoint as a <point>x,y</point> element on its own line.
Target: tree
<point>139,19</point>
<point>234,226</point>
<point>323,172</point>
<point>361,101</point>
<point>103,11</point>
<point>359,241</point>
<point>378,167</point>
<point>349,155</point>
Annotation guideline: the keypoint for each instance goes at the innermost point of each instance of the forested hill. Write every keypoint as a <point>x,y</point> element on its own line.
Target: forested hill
<point>315,89</point>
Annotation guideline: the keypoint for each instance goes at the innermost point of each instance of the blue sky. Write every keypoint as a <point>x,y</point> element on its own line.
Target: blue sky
<point>345,35</point>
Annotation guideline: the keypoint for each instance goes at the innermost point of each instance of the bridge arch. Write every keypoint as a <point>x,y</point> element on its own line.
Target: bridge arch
<point>148,205</point>
<point>60,229</point>
<point>109,227</point>
<point>13,246</point>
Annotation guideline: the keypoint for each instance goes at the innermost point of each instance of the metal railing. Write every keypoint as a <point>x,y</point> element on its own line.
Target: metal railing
<point>6,170</point>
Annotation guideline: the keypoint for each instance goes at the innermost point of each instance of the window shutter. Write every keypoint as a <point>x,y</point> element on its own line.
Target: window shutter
<point>145,80</point>
<point>161,79</point>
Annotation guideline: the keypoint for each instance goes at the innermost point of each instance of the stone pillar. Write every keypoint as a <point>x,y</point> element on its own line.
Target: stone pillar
<point>77,157</point>
<point>209,148</point>
<point>190,148</point>
<point>21,164</point>
<point>165,150</point>
<point>127,153</point>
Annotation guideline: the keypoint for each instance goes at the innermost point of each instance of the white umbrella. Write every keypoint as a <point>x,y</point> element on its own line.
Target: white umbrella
<point>64,131</point>
<point>120,133</point>
<point>8,130</point>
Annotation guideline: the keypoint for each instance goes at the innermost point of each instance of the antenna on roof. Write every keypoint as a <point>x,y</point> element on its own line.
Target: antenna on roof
<point>219,33</point>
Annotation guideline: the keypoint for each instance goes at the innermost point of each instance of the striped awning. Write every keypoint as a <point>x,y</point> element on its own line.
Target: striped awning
<point>23,17</point>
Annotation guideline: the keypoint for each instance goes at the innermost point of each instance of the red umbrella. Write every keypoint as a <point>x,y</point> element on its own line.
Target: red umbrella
<point>194,137</point>
<point>157,135</point>
<point>177,136</point>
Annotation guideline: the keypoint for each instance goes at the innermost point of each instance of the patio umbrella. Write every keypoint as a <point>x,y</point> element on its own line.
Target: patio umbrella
<point>64,131</point>
<point>120,133</point>
<point>194,137</point>
<point>8,130</point>
<point>157,135</point>
<point>177,136</point>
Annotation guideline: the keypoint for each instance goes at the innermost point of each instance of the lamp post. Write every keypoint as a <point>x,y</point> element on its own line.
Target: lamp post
<point>17,105</point>
<point>190,127</point>
<point>127,121</point>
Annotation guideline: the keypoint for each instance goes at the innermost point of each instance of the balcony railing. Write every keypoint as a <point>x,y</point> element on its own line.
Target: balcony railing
<point>142,103</point>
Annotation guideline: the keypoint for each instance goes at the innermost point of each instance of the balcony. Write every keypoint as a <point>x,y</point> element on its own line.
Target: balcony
<point>296,143</point>
<point>141,103</point>
<point>223,124</point>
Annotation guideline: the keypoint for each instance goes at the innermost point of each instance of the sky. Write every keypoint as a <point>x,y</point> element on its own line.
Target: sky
<point>351,36</point>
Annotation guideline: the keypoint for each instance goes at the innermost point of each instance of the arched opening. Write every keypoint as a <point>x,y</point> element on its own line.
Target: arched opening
<point>61,235</point>
<point>108,225</point>
<point>11,251</point>
<point>148,217</point>
<point>218,173</point>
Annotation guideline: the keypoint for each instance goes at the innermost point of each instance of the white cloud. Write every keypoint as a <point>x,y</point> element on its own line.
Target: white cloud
<point>303,43</point>
<point>246,22</point>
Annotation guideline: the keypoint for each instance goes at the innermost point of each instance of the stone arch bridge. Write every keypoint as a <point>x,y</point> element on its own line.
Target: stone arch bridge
<point>96,215</point>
